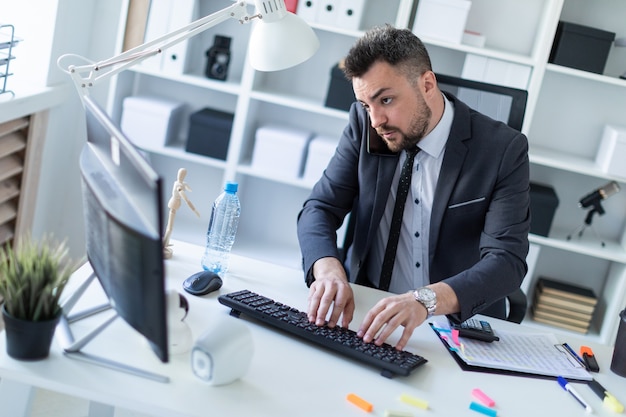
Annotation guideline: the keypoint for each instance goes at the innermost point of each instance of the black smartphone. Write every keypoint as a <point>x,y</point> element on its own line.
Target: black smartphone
<point>375,144</point>
<point>475,329</point>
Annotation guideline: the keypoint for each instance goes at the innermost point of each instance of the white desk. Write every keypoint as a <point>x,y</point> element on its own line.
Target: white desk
<point>287,377</point>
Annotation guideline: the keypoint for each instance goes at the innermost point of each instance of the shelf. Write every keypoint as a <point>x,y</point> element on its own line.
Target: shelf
<point>178,152</point>
<point>486,52</point>
<point>295,102</point>
<point>586,75</point>
<point>229,87</point>
<point>612,251</point>
<point>560,160</point>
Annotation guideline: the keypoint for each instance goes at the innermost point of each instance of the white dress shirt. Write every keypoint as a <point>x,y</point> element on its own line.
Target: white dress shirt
<point>411,266</point>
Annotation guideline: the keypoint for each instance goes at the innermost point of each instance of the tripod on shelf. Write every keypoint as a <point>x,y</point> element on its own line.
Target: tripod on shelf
<point>594,200</point>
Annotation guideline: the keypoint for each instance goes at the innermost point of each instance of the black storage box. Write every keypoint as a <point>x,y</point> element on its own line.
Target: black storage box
<point>543,204</point>
<point>581,47</point>
<point>209,133</point>
<point>340,94</point>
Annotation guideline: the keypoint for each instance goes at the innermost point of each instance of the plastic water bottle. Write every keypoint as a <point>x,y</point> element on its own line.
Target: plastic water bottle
<point>222,230</point>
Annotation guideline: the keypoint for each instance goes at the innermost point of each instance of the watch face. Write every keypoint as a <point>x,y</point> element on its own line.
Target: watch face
<point>426,295</point>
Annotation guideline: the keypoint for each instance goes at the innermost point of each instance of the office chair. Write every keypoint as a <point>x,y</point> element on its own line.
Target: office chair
<point>517,302</point>
<point>517,306</point>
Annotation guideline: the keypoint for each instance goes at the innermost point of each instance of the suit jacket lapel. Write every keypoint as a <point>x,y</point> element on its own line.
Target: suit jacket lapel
<point>453,161</point>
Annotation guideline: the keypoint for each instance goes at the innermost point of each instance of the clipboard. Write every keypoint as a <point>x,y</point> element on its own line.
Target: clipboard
<point>547,359</point>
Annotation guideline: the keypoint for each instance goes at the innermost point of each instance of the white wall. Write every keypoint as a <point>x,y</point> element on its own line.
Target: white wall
<point>34,24</point>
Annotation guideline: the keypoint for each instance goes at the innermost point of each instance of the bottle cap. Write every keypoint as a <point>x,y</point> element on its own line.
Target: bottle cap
<point>231,187</point>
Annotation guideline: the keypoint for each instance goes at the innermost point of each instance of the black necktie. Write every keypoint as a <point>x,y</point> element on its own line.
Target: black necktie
<point>396,221</point>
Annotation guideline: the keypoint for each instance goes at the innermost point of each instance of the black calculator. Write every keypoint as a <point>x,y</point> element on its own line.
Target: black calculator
<point>476,329</point>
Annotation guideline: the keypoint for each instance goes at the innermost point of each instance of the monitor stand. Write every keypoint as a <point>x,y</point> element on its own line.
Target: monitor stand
<point>72,347</point>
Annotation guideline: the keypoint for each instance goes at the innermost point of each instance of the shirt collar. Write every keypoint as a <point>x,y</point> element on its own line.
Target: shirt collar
<point>434,143</point>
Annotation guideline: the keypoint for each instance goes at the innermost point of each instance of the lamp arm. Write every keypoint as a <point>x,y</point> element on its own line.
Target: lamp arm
<point>88,75</point>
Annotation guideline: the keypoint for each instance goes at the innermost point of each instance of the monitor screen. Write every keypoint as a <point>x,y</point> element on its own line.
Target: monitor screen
<point>505,104</point>
<point>123,223</point>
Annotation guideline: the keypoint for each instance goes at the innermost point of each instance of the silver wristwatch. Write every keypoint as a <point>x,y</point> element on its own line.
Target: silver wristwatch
<point>428,298</point>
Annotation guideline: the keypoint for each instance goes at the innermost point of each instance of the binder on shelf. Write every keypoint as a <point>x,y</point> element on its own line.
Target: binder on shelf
<point>291,5</point>
<point>307,9</point>
<point>327,12</point>
<point>349,14</point>
<point>157,25</point>
<point>182,12</point>
<point>136,22</point>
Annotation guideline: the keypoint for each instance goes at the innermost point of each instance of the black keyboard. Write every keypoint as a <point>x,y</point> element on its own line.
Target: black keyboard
<point>341,340</point>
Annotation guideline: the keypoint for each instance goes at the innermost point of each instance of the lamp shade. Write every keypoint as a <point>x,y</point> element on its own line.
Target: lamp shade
<point>280,39</point>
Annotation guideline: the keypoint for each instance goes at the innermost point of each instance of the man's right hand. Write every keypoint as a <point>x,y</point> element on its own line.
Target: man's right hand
<point>330,292</point>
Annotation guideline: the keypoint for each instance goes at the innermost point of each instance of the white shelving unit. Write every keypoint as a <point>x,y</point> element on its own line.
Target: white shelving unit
<point>572,108</point>
<point>565,112</point>
<point>270,203</point>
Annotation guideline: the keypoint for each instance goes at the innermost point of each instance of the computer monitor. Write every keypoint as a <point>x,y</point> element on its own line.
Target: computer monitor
<point>505,104</point>
<point>123,228</point>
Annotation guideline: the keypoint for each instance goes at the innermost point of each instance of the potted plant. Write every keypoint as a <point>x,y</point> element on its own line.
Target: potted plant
<point>33,275</point>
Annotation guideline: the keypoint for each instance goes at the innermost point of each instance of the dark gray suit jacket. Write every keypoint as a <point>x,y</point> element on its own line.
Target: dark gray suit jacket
<point>480,215</point>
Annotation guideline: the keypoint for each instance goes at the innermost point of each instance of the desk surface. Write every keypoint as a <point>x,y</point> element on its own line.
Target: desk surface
<point>288,377</point>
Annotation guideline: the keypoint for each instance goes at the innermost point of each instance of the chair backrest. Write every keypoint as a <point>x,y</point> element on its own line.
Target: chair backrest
<point>517,306</point>
<point>506,104</point>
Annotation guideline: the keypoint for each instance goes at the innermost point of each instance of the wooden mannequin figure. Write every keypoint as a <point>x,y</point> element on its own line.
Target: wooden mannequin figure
<point>178,194</point>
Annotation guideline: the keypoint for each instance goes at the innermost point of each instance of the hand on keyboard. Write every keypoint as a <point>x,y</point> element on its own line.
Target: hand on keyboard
<point>339,339</point>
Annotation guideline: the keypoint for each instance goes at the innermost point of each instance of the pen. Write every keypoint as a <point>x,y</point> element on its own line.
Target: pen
<point>567,387</point>
<point>575,355</point>
<point>608,399</point>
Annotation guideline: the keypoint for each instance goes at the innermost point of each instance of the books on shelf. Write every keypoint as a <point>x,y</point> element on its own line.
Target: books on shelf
<point>563,305</point>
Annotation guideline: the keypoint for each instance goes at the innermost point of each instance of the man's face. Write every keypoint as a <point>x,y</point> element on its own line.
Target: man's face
<point>397,108</point>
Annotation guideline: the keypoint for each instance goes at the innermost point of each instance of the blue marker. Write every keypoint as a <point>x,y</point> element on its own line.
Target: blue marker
<point>567,387</point>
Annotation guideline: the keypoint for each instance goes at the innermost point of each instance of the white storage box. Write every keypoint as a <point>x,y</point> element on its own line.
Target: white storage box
<point>280,150</point>
<point>321,149</point>
<point>612,151</point>
<point>496,71</point>
<point>441,19</point>
<point>151,122</point>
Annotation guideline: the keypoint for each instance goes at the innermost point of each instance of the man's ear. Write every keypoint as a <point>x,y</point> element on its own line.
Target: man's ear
<point>428,82</point>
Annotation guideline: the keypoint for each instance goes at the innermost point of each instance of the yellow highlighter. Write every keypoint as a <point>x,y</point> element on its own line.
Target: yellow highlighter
<point>414,401</point>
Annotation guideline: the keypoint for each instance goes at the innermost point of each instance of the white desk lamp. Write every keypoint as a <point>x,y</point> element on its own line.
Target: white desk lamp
<point>279,40</point>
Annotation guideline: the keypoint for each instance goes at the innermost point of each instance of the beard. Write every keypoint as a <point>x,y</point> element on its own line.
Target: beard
<point>418,127</point>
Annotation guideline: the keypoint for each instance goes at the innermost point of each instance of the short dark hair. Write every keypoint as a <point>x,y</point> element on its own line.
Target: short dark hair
<point>398,47</point>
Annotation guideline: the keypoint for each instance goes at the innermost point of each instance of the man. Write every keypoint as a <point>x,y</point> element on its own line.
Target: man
<point>464,231</point>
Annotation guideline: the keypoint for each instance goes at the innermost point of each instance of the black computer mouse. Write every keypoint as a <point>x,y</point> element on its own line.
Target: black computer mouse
<point>202,283</point>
